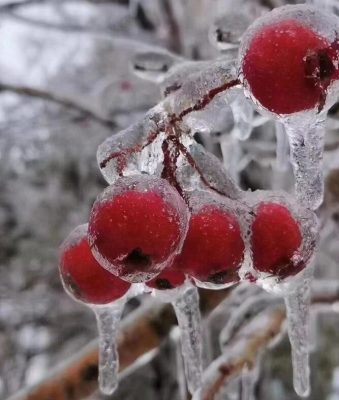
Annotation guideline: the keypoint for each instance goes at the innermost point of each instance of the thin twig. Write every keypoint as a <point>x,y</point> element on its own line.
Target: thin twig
<point>45,95</point>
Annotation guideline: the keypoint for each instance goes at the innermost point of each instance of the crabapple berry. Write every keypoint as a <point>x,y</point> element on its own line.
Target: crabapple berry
<point>287,66</point>
<point>82,276</point>
<point>169,278</point>
<point>213,249</point>
<point>137,226</point>
<point>276,239</point>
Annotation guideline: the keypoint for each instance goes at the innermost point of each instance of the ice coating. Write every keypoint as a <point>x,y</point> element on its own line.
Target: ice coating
<point>178,74</point>
<point>316,31</point>
<point>202,87</point>
<point>83,278</point>
<point>86,281</point>
<point>153,66</point>
<point>297,309</point>
<point>134,150</point>
<point>108,321</point>
<point>213,250</point>
<point>215,117</point>
<point>282,152</point>
<point>186,306</point>
<point>251,307</point>
<point>297,221</point>
<point>206,172</point>
<point>226,31</point>
<point>306,140</point>
<point>137,226</point>
<point>243,113</point>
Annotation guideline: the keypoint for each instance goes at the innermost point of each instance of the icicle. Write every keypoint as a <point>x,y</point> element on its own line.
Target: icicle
<point>306,138</point>
<point>297,309</point>
<point>186,307</point>
<point>243,114</point>
<point>282,160</point>
<point>185,301</point>
<point>108,321</point>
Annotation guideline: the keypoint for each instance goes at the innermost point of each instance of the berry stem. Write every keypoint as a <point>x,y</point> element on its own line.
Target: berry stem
<point>108,320</point>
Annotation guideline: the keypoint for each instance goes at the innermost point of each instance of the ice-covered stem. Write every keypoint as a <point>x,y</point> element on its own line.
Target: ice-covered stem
<point>242,352</point>
<point>298,313</point>
<point>108,321</point>
<point>187,311</point>
<point>306,138</point>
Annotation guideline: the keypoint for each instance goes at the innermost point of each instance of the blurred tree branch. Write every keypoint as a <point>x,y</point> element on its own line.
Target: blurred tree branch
<point>143,331</point>
<point>46,95</point>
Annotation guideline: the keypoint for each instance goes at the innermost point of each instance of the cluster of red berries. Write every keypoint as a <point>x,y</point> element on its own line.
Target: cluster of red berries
<point>141,230</point>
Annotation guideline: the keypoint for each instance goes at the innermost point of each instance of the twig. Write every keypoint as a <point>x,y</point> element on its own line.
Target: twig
<point>142,331</point>
<point>45,95</point>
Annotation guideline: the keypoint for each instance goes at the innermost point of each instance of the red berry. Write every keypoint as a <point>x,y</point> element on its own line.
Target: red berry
<point>288,67</point>
<point>276,238</point>
<point>137,226</point>
<point>214,249</point>
<point>167,279</point>
<point>82,276</point>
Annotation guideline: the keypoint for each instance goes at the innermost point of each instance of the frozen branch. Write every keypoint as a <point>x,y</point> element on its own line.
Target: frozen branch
<point>67,103</point>
<point>141,332</point>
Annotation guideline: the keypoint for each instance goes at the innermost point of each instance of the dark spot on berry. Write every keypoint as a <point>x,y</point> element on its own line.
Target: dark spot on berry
<point>72,286</point>
<point>163,284</point>
<point>137,259</point>
<point>224,277</point>
<point>90,372</point>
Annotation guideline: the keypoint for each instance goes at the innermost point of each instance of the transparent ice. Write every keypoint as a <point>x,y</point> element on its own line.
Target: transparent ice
<point>108,321</point>
<point>185,301</point>
<point>298,313</point>
<point>154,66</point>
<point>226,32</point>
<point>306,140</point>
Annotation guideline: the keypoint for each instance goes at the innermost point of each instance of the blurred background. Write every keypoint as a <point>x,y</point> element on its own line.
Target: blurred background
<point>67,83</point>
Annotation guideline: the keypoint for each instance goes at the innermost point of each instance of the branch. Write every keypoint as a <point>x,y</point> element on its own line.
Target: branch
<point>141,332</point>
<point>45,95</point>
<point>261,325</point>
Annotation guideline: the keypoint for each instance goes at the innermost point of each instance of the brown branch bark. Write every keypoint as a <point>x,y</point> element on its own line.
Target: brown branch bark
<point>142,331</point>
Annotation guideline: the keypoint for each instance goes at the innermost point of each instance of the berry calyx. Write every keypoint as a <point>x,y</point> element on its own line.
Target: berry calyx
<point>276,240</point>
<point>82,276</point>
<point>167,279</point>
<point>288,67</point>
<point>214,249</point>
<point>137,226</point>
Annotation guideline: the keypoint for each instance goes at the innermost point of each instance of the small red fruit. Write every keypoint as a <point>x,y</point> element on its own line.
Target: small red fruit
<point>288,67</point>
<point>82,276</point>
<point>137,226</point>
<point>214,249</point>
<point>167,279</point>
<point>276,238</point>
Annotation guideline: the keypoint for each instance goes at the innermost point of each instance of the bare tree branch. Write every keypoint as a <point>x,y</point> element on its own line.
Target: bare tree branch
<point>45,95</point>
<point>142,331</point>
